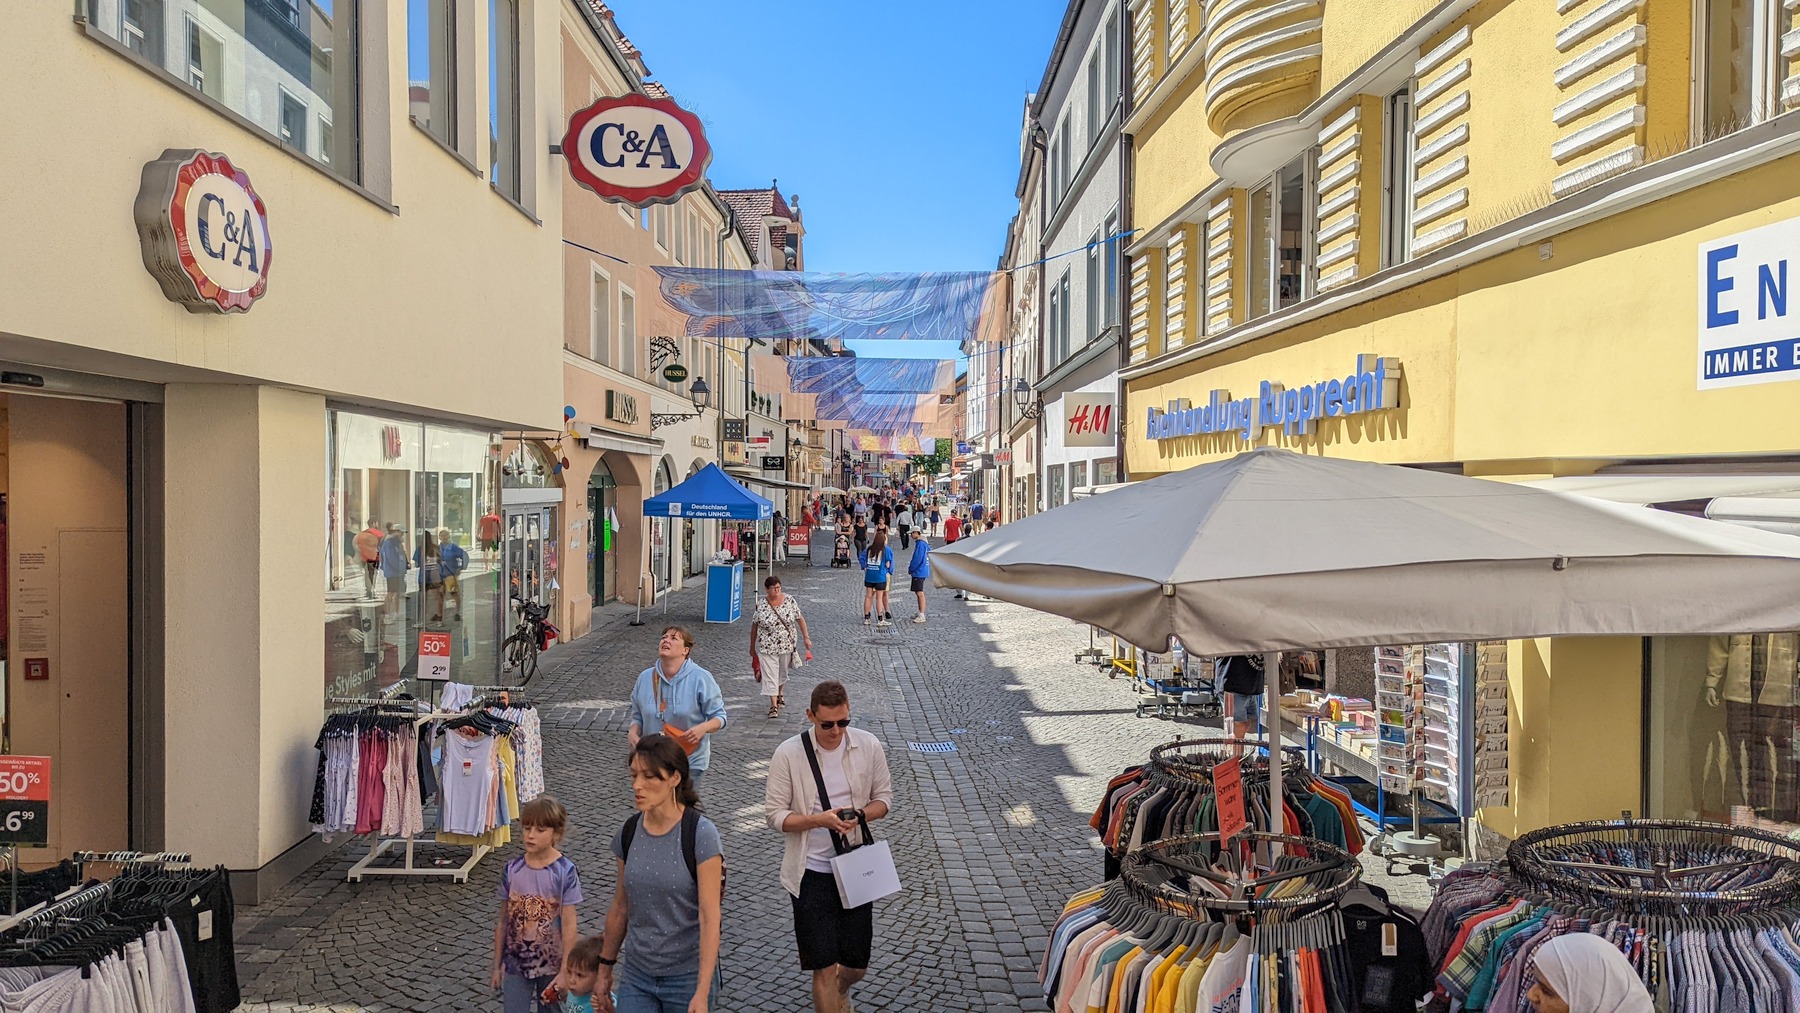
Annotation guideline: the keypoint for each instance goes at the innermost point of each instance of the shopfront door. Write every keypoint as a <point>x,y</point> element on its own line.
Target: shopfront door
<point>65,653</point>
<point>603,580</point>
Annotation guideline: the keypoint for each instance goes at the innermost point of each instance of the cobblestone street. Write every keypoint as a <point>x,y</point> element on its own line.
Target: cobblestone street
<point>990,835</point>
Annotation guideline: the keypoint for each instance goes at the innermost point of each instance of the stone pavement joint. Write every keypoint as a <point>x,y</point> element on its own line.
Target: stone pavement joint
<point>990,839</point>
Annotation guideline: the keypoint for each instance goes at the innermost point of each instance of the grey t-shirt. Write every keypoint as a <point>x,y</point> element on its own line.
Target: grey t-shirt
<point>663,934</point>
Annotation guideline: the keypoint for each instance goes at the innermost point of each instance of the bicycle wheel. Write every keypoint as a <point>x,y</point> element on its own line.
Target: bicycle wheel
<point>513,650</point>
<point>528,662</point>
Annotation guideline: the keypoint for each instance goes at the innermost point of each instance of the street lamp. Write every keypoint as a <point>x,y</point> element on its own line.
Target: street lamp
<point>700,394</point>
<point>1026,400</point>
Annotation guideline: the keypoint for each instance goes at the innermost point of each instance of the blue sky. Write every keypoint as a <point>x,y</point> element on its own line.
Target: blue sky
<point>897,123</point>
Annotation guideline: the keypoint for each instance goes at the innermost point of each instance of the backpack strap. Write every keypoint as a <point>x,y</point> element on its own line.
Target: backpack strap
<point>626,834</point>
<point>690,832</point>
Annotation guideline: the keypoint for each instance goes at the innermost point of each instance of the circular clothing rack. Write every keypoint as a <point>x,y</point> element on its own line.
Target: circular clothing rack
<point>1683,865</point>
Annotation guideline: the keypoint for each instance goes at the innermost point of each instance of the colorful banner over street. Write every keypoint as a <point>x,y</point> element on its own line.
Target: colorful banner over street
<point>783,305</point>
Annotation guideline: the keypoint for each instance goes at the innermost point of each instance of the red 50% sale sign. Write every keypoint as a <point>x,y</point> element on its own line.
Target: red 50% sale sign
<point>434,656</point>
<point>25,800</point>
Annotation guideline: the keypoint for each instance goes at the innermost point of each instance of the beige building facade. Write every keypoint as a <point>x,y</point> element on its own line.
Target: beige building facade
<point>184,490</point>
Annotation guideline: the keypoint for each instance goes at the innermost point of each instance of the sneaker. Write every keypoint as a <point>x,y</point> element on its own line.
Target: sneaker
<point>919,619</point>
<point>885,622</point>
<point>865,619</point>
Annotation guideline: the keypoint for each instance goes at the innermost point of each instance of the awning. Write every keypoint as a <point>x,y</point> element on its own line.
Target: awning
<point>627,443</point>
<point>1094,490</point>
<point>754,478</point>
<point>1645,488</point>
<point>1769,502</point>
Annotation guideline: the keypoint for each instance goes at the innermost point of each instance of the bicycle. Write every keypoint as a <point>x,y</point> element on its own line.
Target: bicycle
<point>528,639</point>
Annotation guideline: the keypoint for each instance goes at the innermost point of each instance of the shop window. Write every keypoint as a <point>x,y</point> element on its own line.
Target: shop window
<point>1095,114</point>
<point>290,65</point>
<point>1397,178</point>
<point>1740,63</point>
<point>408,502</point>
<point>1722,743</point>
<point>660,216</point>
<point>1106,472</point>
<point>1077,475</point>
<point>431,66</point>
<point>503,97</point>
<point>1053,486</point>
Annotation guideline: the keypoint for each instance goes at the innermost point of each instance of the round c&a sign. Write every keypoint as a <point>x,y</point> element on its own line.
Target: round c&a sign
<point>204,231</point>
<point>636,150</point>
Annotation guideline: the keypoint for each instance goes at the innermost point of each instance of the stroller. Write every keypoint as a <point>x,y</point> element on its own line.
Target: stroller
<point>840,556</point>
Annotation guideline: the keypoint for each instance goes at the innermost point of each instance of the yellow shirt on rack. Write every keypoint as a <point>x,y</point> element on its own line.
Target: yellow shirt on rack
<point>1187,992</point>
<point>1160,978</point>
<point>1112,995</point>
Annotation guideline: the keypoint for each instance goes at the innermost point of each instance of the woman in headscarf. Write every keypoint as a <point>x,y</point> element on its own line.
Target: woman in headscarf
<point>1583,973</point>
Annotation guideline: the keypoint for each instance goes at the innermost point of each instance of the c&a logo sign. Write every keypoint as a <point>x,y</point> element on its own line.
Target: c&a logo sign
<point>204,231</point>
<point>636,150</point>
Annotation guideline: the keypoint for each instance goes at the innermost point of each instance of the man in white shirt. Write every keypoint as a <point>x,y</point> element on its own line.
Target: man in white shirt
<point>834,942</point>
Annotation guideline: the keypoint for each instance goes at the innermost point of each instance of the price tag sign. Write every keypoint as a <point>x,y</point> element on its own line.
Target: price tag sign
<point>1228,795</point>
<point>25,800</point>
<point>434,656</point>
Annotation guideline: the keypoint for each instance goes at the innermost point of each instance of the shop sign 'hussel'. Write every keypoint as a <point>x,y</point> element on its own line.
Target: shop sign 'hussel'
<point>1373,386</point>
<point>204,231</point>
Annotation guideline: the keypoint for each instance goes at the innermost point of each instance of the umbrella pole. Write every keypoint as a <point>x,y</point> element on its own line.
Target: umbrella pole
<point>1272,722</point>
<point>643,565</point>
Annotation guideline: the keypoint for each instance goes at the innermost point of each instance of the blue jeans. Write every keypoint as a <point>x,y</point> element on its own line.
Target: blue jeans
<point>519,994</point>
<point>695,777</point>
<point>636,992</point>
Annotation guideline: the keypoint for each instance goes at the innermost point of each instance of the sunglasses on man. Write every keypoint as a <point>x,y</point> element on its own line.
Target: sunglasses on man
<point>845,723</point>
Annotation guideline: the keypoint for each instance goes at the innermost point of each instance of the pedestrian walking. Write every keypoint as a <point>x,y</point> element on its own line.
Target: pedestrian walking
<point>679,699</point>
<point>581,973</point>
<point>919,568</point>
<point>454,559</point>
<point>1241,678</point>
<point>778,535</point>
<point>952,528</point>
<point>937,517</point>
<point>662,929</point>
<point>394,565</point>
<point>878,565</point>
<point>904,522</point>
<point>431,575</point>
<point>368,549</point>
<point>821,783</point>
<point>776,636</point>
<point>859,531</point>
<point>536,925</point>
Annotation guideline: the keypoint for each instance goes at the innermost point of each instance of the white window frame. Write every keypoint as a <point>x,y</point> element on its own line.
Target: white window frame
<point>1397,176</point>
<point>627,339</point>
<point>194,31</point>
<point>1094,316</point>
<point>601,314</point>
<point>1096,115</point>
<point>659,221</point>
<point>1767,19</point>
<point>282,98</point>
<point>1110,270</point>
<point>1115,80</point>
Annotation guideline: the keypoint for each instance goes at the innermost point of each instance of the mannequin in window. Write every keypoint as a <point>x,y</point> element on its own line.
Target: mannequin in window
<point>1755,675</point>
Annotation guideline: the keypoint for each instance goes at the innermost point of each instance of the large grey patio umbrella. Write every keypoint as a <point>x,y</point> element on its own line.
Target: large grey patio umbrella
<point>1272,551</point>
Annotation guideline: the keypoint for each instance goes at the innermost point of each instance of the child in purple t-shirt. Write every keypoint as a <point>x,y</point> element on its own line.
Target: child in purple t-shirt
<point>536,928</point>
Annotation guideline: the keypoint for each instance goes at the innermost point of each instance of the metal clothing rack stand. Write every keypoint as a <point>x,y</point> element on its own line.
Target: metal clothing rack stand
<point>379,845</point>
<point>68,903</point>
<point>1660,878</point>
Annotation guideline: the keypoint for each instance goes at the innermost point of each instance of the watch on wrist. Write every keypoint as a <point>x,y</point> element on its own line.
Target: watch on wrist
<point>604,962</point>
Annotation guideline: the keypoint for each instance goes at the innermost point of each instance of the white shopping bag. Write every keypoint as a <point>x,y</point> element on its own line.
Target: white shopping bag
<point>865,874</point>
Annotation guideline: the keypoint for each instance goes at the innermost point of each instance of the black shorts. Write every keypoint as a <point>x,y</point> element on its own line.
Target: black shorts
<point>878,585</point>
<point>827,933</point>
<point>918,584</point>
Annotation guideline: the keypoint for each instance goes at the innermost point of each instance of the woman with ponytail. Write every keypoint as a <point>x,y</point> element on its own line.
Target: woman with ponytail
<point>661,947</point>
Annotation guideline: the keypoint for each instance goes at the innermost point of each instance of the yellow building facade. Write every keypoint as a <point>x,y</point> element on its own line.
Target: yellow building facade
<point>1532,240</point>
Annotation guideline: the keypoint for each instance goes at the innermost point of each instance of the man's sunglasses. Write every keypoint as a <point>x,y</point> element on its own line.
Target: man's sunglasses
<point>834,724</point>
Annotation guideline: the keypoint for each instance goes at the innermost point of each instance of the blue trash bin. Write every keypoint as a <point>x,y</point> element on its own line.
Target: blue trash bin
<point>724,592</point>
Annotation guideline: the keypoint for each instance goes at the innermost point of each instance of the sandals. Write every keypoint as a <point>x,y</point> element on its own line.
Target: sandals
<point>775,708</point>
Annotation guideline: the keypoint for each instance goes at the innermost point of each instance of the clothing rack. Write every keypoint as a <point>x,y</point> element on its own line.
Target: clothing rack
<point>379,845</point>
<point>1331,871</point>
<point>85,858</point>
<point>1659,866</point>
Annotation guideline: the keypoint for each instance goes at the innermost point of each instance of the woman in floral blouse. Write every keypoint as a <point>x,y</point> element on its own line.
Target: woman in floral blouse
<point>775,634</point>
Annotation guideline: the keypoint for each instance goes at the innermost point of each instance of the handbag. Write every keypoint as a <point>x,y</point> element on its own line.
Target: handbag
<point>668,729</point>
<point>864,872</point>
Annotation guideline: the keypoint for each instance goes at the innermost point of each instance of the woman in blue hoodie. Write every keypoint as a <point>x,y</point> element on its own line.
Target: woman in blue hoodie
<point>919,569</point>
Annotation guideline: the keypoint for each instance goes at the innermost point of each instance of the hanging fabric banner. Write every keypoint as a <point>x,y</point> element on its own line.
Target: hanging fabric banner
<point>888,395</point>
<point>782,305</point>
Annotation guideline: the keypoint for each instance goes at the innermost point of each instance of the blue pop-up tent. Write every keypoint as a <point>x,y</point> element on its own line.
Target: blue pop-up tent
<point>710,495</point>
<point>707,495</point>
